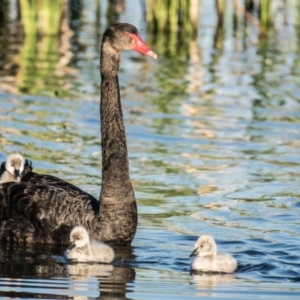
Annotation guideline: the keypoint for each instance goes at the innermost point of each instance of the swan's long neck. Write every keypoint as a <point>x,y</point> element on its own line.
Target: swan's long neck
<point>117,201</point>
<point>115,169</point>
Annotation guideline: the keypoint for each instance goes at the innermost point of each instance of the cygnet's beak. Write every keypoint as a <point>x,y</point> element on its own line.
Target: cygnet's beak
<point>194,253</point>
<point>71,246</point>
<point>17,173</point>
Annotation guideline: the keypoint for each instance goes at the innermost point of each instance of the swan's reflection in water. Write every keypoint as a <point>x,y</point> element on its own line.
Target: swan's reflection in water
<point>27,271</point>
<point>210,281</point>
<point>110,281</point>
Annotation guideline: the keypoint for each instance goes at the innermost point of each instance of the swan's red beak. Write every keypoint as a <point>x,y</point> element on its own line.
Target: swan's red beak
<point>140,46</point>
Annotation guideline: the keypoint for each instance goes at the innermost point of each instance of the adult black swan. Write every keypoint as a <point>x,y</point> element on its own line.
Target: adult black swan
<point>43,209</point>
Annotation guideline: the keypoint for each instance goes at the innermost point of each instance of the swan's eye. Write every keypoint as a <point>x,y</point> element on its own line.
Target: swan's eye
<point>128,34</point>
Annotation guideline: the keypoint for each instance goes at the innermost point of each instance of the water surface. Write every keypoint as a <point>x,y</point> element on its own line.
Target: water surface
<point>213,140</point>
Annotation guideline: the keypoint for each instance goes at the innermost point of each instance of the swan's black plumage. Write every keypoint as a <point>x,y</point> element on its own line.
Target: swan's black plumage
<point>27,167</point>
<point>2,168</point>
<point>43,208</point>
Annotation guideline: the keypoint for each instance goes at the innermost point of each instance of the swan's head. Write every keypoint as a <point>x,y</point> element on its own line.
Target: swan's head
<point>205,246</point>
<point>124,36</point>
<point>15,164</point>
<point>79,237</point>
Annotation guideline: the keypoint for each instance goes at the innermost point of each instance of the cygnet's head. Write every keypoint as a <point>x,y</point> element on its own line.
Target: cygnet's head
<point>79,237</point>
<point>205,246</point>
<point>15,164</point>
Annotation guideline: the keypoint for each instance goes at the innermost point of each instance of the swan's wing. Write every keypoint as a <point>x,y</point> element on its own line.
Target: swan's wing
<point>49,180</point>
<point>43,212</point>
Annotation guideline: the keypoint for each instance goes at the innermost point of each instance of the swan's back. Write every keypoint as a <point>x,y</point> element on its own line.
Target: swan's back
<point>44,209</point>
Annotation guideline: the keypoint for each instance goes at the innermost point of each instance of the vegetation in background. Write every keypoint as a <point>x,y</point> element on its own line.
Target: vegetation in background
<point>172,24</point>
<point>42,31</point>
<point>41,16</point>
<point>40,26</point>
<point>265,13</point>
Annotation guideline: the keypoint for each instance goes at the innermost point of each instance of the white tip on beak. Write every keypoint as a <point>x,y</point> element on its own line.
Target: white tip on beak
<point>152,54</point>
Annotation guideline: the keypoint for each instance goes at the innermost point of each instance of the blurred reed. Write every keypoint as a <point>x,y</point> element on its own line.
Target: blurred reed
<point>172,27</point>
<point>176,19</point>
<point>45,35</point>
<point>171,24</point>
<point>41,16</point>
<point>265,13</point>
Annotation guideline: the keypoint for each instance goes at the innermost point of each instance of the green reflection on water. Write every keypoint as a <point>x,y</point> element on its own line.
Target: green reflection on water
<point>41,16</point>
<point>38,62</point>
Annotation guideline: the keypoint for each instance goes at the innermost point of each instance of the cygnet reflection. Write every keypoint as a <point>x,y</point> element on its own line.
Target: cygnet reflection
<point>87,270</point>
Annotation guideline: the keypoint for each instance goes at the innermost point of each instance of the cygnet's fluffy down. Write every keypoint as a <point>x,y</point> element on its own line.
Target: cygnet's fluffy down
<point>208,259</point>
<point>84,249</point>
<point>14,168</point>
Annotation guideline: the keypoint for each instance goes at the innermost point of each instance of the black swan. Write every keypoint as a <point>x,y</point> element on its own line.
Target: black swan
<point>14,168</point>
<point>43,209</point>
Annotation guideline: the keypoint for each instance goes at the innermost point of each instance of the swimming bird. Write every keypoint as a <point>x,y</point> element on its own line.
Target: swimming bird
<point>43,208</point>
<point>208,259</point>
<point>84,249</point>
<point>14,168</point>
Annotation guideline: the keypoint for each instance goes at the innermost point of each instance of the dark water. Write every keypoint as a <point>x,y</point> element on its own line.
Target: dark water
<point>214,143</point>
